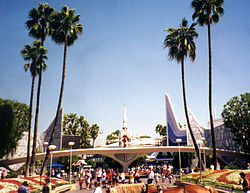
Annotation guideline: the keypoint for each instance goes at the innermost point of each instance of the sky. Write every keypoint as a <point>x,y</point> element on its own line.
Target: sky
<point>120,60</point>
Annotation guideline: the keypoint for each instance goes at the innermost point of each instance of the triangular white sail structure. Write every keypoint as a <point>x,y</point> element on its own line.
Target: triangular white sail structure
<point>197,128</point>
<point>173,130</point>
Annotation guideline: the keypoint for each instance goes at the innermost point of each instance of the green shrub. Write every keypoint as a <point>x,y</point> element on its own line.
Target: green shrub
<point>231,166</point>
<point>12,175</point>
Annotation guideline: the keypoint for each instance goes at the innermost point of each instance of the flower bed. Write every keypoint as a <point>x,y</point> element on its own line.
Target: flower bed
<point>229,179</point>
<point>11,185</point>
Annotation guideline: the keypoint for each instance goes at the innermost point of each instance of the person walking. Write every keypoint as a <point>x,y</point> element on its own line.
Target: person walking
<point>150,176</point>
<point>157,177</point>
<point>24,188</point>
<point>104,177</point>
<point>80,181</point>
<point>137,176</point>
<point>123,177</point>
<point>87,179</point>
<point>245,183</point>
<point>97,188</point>
<point>47,186</point>
<point>163,175</point>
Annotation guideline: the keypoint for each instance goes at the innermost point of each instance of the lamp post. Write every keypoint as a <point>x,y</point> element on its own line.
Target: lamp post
<point>199,142</point>
<point>51,148</point>
<point>70,144</point>
<point>44,145</point>
<point>204,153</point>
<point>179,141</point>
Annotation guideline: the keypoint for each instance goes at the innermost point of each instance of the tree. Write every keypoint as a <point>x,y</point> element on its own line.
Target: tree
<point>180,42</point>
<point>65,31</point>
<point>110,163</point>
<point>8,143</point>
<point>162,130</point>
<point>94,130</point>
<point>236,116</point>
<point>31,53</point>
<point>71,124</point>
<point>74,125</point>
<point>139,161</point>
<point>14,119</point>
<point>84,133</point>
<point>65,161</point>
<point>208,12</point>
<point>113,137</point>
<point>38,25</point>
<point>186,159</point>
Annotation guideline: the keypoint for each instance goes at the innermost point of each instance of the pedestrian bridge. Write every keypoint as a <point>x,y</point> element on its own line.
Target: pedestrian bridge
<point>124,156</point>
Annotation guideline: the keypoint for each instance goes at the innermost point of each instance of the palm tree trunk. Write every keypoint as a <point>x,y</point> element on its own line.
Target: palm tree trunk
<point>210,96</point>
<point>59,103</point>
<point>29,127</point>
<point>32,163</point>
<point>185,108</point>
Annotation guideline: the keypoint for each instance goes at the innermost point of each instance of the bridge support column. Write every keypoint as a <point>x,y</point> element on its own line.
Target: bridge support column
<point>125,159</point>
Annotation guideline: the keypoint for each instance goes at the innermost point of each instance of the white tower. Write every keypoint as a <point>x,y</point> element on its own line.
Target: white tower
<point>124,130</point>
<point>124,122</point>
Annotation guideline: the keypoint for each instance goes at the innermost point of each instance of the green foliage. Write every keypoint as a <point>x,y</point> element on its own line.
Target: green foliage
<point>65,26</point>
<point>231,166</point>
<point>111,138</point>
<point>35,53</point>
<point>94,130</point>
<point>185,159</point>
<point>91,163</point>
<point>205,9</point>
<point>139,161</point>
<point>84,133</point>
<point>39,20</point>
<point>75,125</point>
<point>14,118</point>
<point>12,175</point>
<point>71,124</point>
<point>65,160</point>
<point>145,136</point>
<point>110,163</point>
<point>180,41</point>
<point>236,116</point>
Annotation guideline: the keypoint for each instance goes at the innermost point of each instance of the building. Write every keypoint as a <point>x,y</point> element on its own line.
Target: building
<point>223,136</point>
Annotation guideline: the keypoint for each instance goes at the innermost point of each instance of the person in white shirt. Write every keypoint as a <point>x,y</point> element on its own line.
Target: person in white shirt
<point>150,176</point>
<point>97,189</point>
<point>99,174</point>
<point>123,177</point>
<point>104,177</point>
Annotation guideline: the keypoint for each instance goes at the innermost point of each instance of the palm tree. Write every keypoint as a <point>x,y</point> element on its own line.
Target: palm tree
<point>208,12</point>
<point>162,130</point>
<point>38,24</point>
<point>180,42</point>
<point>70,124</point>
<point>39,21</point>
<point>65,31</point>
<point>30,53</point>
<point>84,133</point>
<point>94,130</point>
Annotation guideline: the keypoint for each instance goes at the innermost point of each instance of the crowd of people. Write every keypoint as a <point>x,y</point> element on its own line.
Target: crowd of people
<point>99,178</point>
<point>112,177</point>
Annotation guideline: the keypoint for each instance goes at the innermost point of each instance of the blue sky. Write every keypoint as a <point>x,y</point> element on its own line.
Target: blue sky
<point>119,59</point>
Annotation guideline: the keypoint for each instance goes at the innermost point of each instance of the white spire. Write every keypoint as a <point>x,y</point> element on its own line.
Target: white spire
<point>124,122</point>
